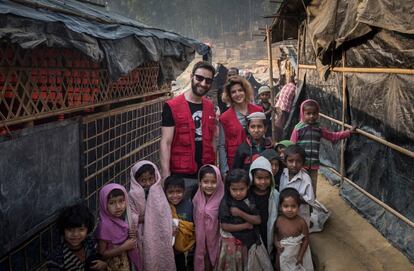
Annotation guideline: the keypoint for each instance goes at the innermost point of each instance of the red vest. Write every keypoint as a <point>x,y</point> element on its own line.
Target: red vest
<point>233,131</point>
<point>183,145</point>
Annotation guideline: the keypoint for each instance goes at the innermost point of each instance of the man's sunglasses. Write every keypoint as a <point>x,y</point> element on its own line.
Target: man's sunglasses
<point>201,78</point>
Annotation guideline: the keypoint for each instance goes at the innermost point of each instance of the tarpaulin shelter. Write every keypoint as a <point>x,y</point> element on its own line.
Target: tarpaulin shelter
<point>356,59</point>
<point>107,78</point>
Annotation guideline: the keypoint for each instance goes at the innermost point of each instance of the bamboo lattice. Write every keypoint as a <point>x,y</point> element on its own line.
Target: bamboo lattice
<point>44,82</point>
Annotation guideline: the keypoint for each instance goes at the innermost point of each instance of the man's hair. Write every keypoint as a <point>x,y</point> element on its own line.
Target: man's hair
<point>145,168</point>
<point>295,149</point>
<point>289,192</point>
<point>233,69</point>
<point>204,65</point>
<point>75,216</point>
<point>248,90</point>
<point>174,181</point>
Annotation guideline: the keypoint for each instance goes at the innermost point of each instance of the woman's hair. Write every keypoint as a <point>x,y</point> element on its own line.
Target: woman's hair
<point>174,181</point>
<point>237,175</point>
<point>289,192</point>
<point>75,216</point>
<point>248,90</point>
<point>205,170</point>
<point>295,149</point>
<point>145,168</point>
<point>115,193</point>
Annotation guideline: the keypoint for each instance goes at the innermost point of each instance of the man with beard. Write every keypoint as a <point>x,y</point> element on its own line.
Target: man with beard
<point>188,129</point>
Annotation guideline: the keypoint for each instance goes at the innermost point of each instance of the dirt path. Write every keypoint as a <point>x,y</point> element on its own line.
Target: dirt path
<point>349,242</point>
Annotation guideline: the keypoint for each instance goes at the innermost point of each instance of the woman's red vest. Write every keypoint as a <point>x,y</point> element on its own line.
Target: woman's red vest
<point>234,132</point>
<point>183,145</point>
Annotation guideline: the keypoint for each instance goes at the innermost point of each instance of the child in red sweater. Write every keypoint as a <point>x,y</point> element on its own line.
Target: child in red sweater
<point>308,134</point>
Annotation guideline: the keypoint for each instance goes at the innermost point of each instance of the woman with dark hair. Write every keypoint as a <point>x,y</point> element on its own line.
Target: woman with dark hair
<point>238,94</point>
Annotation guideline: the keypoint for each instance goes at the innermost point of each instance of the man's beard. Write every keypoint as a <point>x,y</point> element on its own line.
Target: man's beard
<point>196,89</point>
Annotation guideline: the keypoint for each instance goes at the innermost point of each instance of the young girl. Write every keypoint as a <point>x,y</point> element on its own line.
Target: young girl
<point>292,235</point>
<point>116,243</point>
<point>255,142</point>
<point>150,216</point>
<point>77,250</point>
<point>206,204</point>
<point>308,134</point>
<point>295,176</point>
<point>238,218</point>
<point>266,199</point>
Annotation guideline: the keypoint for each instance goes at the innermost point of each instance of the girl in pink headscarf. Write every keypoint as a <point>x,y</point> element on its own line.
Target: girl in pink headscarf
<point>150,214</point>
<point>116,242</point>
<point>206,207</point>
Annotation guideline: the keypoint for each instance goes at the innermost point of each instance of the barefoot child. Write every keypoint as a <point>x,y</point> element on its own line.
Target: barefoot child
<point>150,216</point>
<point>206,204</point>
<point>238,218</point>
<point>308,134</point>
<point>182,209</point>
<point>77,250</point>
<point>291,235</point>
<point>116,243</point>
<point>266,199</point>
<point>295,176</point>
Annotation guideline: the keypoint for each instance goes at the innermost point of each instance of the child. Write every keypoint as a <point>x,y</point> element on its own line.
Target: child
<point>264,96</point>
<point>181,209</point>
<point>206,207</point>
<point>281,146</point>
<point>241,247</point>
<point>277,165</point>
<point>292,235</point>
<point>116,243</point>
<point>150,216</point>
<point>295,176</point>
<point>254,143</point>
<point>266,199</point>
<point>76,250</point>
<point>308,133</point>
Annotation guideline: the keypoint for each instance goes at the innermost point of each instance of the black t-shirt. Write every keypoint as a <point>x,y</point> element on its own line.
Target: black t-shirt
<point>196,112</point>
<point>262,205</point>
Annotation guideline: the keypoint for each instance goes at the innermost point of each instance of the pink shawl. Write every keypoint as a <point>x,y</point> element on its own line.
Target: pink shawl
<point>112,229</point>
<point>207,224</point>
<point>156,238</point>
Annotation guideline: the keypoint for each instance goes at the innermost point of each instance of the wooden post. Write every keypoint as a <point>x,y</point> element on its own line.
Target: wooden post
<point>272,93</point>
<point>342,166</point>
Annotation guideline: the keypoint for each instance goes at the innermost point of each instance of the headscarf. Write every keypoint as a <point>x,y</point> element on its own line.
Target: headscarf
<point>263,163</point>
<point>302,116</point>
<point>157,231</point>
<point>206,212</point>
<point>112,229</point>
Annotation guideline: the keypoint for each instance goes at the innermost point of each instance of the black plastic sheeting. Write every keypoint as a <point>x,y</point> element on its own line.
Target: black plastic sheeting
<point>123,43</point>
<point>378,103</point>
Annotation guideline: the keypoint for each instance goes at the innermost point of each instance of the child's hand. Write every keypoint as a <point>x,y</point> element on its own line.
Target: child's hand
<point>130,243</point>
<point>299,261</point>
<point>353,129</point>
<point>279,248</point>
<point>141,218</point>
<point>99,265</point>
<point>132,233</point>
<point>249,226</point>
<point>234,211</point>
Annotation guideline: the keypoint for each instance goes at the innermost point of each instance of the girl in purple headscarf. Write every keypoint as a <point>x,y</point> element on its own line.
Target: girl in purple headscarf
<point>117,243</point>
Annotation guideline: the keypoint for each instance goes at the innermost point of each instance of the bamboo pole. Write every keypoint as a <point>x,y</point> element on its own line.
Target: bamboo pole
<point>342,153</point>
<point>362,70</point>
<point>373,137</point>
<point>379,202</point>
<point>272,93</point>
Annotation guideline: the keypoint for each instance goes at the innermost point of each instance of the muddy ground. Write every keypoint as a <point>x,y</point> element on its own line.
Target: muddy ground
<point>349,242</point>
